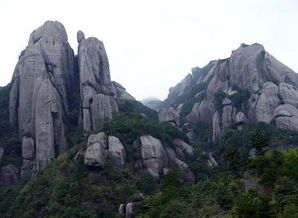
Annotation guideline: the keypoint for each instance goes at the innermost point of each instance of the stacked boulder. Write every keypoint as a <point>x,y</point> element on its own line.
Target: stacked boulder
<point>154,157</point>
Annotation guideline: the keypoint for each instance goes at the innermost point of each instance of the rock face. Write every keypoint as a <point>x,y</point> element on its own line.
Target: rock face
<point>153,155</point>
<point>41,86</point>
<point>97,91</point>
<point>121,92</point>
<point>168,115</point>
<point>117,152</point>
<point>249,86</point>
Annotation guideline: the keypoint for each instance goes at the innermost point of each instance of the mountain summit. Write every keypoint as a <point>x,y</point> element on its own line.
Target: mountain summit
<point>248,87</point>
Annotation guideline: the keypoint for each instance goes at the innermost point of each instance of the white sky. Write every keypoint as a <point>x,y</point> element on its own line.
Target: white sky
<point>153,44</point>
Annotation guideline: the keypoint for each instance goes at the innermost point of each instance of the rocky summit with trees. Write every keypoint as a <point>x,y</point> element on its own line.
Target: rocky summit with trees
<point>74,143</point>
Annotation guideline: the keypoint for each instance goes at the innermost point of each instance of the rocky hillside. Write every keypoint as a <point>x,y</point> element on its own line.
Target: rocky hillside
<point>248,87</point>
<point>74,143</point>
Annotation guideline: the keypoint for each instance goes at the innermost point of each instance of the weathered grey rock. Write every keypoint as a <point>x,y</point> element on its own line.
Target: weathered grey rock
<point>168,115</point>
<point>240,117</point>
<point>202,111</point>
<point>182,167</point>
<point>9,175</point>
<point>267,102</point>
<point>28,148</point>
<point>96,152</point>
<point>101,109</point>
<point>97,92</point>
<point>153,155</point>
<point>211,161</point>
<point>80,36</point>
<point>184,146</point>
<point>288,94</point>
<point>286,117</point>
<point>42,83</point>
<point>121,209</point>
<point>249,70</point>
<point>121,92</point>
<point>130,209</point>
<point>216,126</point>
<point>117,152</point>
<point>228,114</point>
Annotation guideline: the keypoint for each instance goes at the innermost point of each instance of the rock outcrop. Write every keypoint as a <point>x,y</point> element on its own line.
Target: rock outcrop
<point>149,154</point>
<point>98,98</point>
<point>153,155</point>
<point>101,147</point>
<point>121,92</point>
<point>42,83</point>
<point>249,86</point>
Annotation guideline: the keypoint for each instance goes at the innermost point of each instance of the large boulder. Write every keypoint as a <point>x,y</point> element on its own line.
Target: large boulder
<point>96,152</point>
<point>97,91</point>
<point>267,102</point>
<point>42,83</point>
<point>153,155</point>
<point>117,152</point>
<point>288,94</point>
<point>101,147</point>
<point>286,117</point>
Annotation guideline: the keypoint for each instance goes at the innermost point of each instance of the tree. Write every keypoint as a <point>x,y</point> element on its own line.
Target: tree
<point>259,141</point>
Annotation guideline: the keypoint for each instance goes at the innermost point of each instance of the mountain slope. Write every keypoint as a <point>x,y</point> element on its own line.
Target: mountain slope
<point>250,86</point>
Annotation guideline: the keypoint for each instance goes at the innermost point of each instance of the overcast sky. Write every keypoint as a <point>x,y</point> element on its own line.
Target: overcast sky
<point>153,44</point>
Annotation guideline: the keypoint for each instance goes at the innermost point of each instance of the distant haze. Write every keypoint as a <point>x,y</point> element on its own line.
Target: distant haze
<point>152,45</point>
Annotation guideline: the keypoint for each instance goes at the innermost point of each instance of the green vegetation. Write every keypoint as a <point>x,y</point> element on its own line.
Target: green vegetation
<point>130,106</point>
<point>240,97</point>
<point>218,98</point>
<point>67,189</point>
<point>9,137</point>
<point>129,127</point>
<point>260,155</point>
<point>221,192</point>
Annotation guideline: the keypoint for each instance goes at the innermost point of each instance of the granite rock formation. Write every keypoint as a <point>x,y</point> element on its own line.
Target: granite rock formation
<point>41,86</point>
<point>154,157</point>
<point>98,98</point>
<point>249,86</point>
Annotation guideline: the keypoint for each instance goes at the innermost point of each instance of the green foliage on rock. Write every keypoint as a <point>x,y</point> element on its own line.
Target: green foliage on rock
<point>9,137</point>
<point>128,127</point>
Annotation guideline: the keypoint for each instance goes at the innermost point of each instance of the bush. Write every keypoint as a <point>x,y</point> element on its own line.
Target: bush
<point>252,204</point>
<point>146,183</point>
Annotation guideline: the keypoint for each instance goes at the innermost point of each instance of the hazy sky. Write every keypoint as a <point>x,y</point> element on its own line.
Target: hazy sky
<point>153,44</point>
